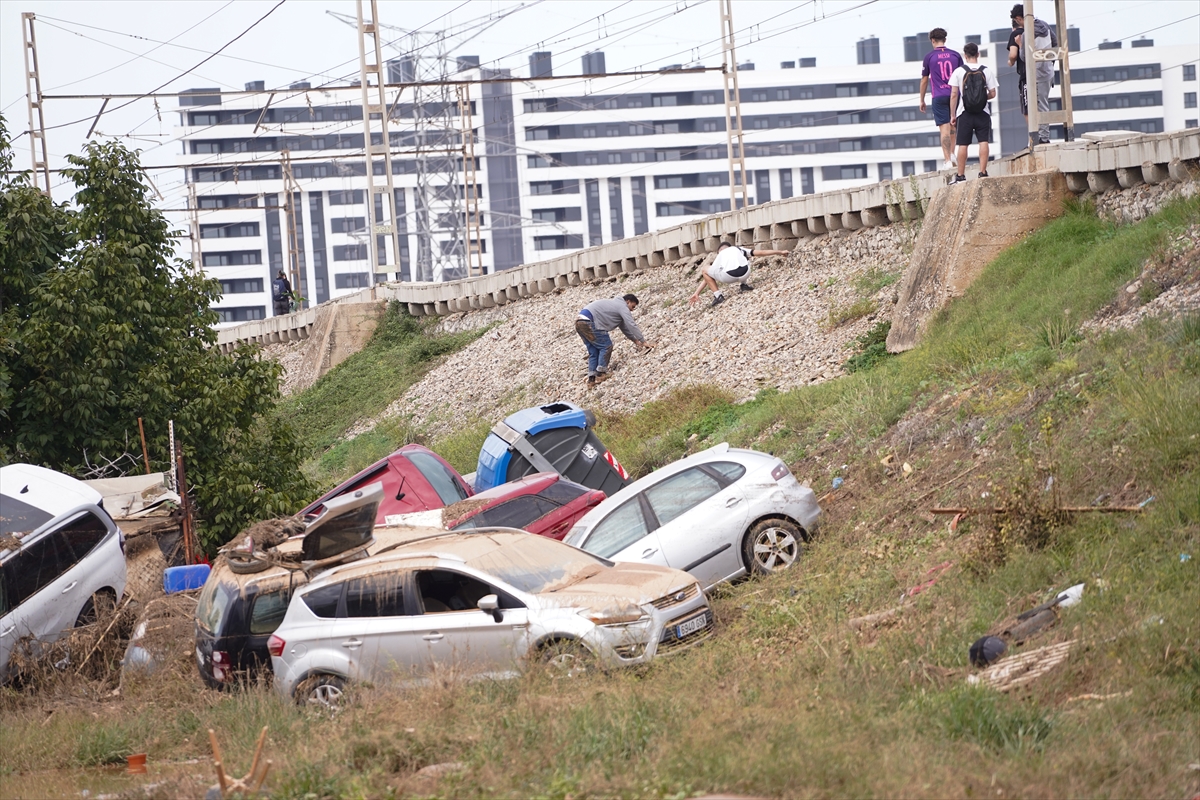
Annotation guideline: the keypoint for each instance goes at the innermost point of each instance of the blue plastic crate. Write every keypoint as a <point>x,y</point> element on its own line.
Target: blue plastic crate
<point>184,579</point>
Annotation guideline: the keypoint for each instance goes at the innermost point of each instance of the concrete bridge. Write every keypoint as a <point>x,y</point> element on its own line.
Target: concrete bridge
<point>1094,164</point>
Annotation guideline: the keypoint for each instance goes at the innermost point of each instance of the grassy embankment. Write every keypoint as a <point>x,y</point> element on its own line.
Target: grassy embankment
<point>788,700</point>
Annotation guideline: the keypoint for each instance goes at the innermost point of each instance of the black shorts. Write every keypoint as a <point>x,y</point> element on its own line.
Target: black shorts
<point>977,123</point>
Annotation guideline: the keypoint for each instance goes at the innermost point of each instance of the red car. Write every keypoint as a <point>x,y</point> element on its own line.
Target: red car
<point>414,479</point>
<point>544,503</point>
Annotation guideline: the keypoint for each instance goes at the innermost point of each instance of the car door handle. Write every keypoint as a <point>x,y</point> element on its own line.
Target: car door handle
<point>434,637</point>
<point>731,502</point>
<point>70,586</point>
<point>7,631</point>
<point>520,627</point>
<point>352,644</point>
<point>649,552</point>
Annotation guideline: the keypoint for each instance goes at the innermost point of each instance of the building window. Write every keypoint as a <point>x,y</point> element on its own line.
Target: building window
<point>758,97</point>
<point>1189,72</point>
<point>1189,99</point>
<point>847,91</point>
<point>666,127</point>
<point>885,116</point>
<point>805,94</point>
<point>350,252</point>
<point>908,116</point>
<point>930,166</point>
<point>783,94</point>
<point>232,231</point>
<point>908,168</point>
<point>538,162</point>
<point>710,125</point>
<point>241,313</point>
<point>351,197</point>
<point>1190,123</point>
<point>665,100</point>
<point>678,209</point>
<point>347,224</point>
<point>589,133</point>
<point>233,259</point>
<point>241,285</point>
<point>351,280</point>
<point>708,98</point>
<point>885,172</point>
<point>668,182</point>
<point>205,119</point>
<point>569,241</point>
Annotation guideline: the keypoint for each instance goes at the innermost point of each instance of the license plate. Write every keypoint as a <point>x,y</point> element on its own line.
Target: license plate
<point>690,626</point>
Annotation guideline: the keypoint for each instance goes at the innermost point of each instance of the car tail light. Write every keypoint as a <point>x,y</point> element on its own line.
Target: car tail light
<point>221,669</point>
<point>275,646</point>
<point>220,657</point>
<point>780,471</point>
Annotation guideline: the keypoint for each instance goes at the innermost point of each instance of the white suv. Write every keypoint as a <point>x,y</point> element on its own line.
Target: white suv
<point>60,555</point>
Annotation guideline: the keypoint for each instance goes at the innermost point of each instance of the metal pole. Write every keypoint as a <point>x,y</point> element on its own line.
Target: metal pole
<point>1064,68</point>
<point>1030,74</point>
<point>33,100</point>
<point>291,188</point>
<point>733,110</point>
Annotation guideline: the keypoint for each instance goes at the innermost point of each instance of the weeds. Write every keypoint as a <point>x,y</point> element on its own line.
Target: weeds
<point>840,315</point>
<point>992,721</point>
<point>871,348</point>
<point>101,745</point>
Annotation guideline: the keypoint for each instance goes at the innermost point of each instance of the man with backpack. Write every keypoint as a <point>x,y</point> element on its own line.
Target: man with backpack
<point>975,85</point>
<point>281,294</point>
<point>1044,38</point>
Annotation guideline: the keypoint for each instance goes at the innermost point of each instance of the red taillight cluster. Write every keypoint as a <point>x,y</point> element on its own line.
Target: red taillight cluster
<point>222,668</point>
<point>275,646</point>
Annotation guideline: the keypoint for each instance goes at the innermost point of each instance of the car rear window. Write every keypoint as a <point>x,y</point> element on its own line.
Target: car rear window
<point>324,601</point>
<point>268,611</point>
<point>729,469</point>
<point>20,517</point>
<point>438,476</point>
<point>563,491</point>
<point>214,602</point>
<point>516,513</point>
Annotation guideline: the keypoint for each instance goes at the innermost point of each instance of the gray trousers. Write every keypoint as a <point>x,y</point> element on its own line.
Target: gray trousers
<point>1043,104</point>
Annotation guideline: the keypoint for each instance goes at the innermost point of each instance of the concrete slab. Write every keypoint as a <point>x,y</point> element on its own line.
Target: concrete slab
<point>966,226</point>
<point>340,331</point>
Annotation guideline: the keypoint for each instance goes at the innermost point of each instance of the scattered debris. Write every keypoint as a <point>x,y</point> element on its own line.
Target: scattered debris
<point>441,770</point>
<point>1022,668</point>
<point>1100,698</point>
<point>986,650</point>
<point>250,784</point>
<point>931,577</point>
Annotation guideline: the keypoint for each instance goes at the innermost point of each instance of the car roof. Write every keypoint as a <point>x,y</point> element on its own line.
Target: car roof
<point>530,484</point>
<point>35,495</point>
<point>720,452</point>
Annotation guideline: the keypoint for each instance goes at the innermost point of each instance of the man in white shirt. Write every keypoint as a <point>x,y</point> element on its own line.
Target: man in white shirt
<point>973,84</point>
<point>732,265</point>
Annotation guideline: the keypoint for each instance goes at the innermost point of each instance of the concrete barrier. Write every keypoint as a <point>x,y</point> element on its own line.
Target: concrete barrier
<point>1095,166</point>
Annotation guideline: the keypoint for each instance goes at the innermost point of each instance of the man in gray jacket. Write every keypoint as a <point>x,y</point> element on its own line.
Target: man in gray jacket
<point>1044,38</point>
<point>593,325</point>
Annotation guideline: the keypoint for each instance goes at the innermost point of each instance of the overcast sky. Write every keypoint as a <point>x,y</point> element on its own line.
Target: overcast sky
<point>88,47</point>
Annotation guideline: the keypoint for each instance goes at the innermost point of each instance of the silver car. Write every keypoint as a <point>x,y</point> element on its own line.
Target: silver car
<point>62,558</point>
<point>717,514</point>
<point>479,604</point>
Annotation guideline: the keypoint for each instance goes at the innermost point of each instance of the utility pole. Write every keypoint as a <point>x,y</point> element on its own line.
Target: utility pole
<point>33,99</point>
<point>375,112</point>
<point>473,239</point>
<point>291,191</point>
<point>194,225</point>
<point>733,111</point>
<point>1033,57</point>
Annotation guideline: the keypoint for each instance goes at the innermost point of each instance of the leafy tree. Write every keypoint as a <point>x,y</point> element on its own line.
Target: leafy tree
<point>100,325</point>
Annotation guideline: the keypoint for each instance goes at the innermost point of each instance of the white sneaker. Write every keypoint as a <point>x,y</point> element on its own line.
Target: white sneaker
<point>954,158</point>
<point>947,165</point>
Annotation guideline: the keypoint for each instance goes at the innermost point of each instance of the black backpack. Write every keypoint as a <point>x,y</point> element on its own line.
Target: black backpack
<point>974,90</point>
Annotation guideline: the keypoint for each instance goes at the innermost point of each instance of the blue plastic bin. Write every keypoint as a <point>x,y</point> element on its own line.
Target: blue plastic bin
<point>184,579</point>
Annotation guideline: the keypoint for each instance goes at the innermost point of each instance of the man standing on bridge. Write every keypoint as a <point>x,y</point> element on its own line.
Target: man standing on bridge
<point>938,66</point>
<point>593,325</point>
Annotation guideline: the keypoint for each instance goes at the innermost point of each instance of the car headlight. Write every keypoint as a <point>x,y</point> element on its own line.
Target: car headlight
<point>619,616</point>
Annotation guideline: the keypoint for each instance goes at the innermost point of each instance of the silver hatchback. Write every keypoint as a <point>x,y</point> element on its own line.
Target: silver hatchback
<point>479,604</point>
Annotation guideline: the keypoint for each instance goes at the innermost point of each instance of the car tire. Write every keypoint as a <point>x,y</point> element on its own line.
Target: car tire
<point>326,692</point>
<point>771,545</point>
<point>247,566</point>
<point>98,606</point>
<point>566,658</point>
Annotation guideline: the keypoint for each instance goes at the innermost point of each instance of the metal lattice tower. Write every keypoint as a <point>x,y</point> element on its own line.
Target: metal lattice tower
<point>375,121</point>
<point>33,99</point>
<point>733,110</point>
<point>470,182</point>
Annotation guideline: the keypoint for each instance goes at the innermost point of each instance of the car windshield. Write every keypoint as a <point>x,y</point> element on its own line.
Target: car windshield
<point>535,564</point>
<point>214,601</point>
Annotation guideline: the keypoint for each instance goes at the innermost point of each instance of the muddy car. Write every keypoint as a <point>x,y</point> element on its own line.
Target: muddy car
<point>718,514</point>
<point>247,593</point>
<point>480,603</point>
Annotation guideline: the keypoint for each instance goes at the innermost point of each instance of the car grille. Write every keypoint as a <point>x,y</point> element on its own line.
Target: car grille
<point>668,641</point>
<point>677,597</point>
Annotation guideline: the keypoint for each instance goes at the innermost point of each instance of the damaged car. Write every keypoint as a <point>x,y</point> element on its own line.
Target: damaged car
<point>719,514</point>
<point>482,603</point>
<point>544,503</point>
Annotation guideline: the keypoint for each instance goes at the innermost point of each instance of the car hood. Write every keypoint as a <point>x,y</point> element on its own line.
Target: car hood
<point>618,587</point>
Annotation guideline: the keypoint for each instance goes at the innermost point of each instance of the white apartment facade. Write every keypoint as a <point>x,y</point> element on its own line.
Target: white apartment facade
<point>572,162</point>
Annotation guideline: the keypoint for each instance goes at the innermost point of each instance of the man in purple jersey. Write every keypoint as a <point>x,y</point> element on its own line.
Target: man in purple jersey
<point>938,66</point>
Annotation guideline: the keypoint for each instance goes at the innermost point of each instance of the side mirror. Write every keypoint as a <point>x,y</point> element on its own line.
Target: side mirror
<point>490,604</point>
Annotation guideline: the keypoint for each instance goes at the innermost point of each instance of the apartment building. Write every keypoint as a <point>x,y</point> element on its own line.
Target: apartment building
<point>569,162</point>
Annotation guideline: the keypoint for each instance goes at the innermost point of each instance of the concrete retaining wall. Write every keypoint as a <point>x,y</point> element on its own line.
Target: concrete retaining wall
<point>1093,166</point>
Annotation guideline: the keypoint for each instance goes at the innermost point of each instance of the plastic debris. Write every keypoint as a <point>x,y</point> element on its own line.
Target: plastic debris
<point>1184,557</point>
<point>907,468</point>
<point>1022,668</point>
<point>837,482</point>
<point>1146,502</point>
<point>986,650</point>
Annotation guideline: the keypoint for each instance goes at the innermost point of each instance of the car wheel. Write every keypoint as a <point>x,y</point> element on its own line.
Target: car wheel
<point>566,658</point>
<point>98,606</point>
<point>772,545</point>
<point>327,692</point>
